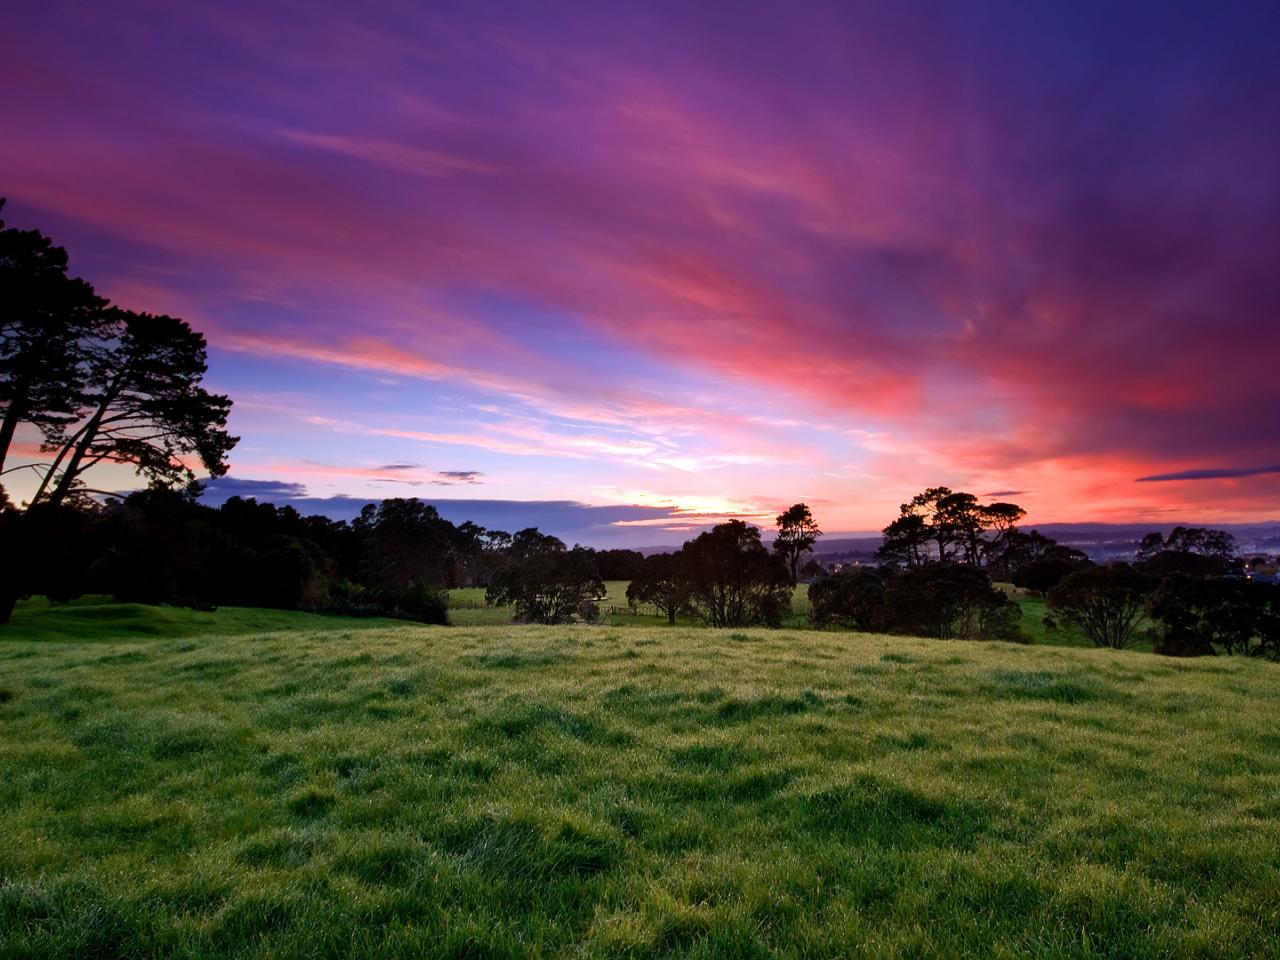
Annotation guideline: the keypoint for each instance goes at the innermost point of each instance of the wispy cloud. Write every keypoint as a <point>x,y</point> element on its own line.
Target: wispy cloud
<point>1212,473</point>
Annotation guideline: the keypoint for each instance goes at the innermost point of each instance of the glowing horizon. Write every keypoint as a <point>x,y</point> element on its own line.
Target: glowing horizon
<point>713,261</point>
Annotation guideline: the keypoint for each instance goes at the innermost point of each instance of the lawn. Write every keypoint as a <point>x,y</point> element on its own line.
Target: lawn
<point>631,792</point>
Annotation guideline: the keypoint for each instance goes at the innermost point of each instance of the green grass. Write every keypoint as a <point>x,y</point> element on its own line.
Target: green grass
<point>98,618</point>
<point>616,597</point>
<point>611,792</point>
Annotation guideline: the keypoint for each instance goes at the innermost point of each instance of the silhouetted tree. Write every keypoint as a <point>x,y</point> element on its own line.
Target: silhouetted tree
<point>619,564</point>
<point>945,525</point>
<point>797,533</point>
<point>543,581</point>
<point>1199,616</point>
<point>1016,549</point>
<point>905,541</point>
<point>403,541</point>
<point>1185,550</point>
<point>45,317</point>
<point>949,601</point>
<point>735,581</point>
<point>141,404</point>
<point>662,581</point>
<point>1045,574</point>
<point>851,598</point>
<point>1106,603</point>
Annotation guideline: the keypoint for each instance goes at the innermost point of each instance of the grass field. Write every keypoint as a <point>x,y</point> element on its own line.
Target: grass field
<point>616,597</point>
<point>611,792</point>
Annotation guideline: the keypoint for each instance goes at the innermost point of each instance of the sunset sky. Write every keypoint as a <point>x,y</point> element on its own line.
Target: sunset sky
<point>681,261</point>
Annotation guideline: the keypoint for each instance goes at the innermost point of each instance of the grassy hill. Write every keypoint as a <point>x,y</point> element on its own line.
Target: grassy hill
<point>629,792</point>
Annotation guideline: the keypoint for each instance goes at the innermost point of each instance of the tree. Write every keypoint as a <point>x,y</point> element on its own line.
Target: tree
<point>735,581</point>
<point>1046,573</point>
<point>141,404</point>
<point>662,581</point>
<point>1193,550</point>
<point>904,541</point>
<point>797,533</point>
<point>1016,549</point>
<point>403,541</point>
<point>1203,541</point>
<point>1199,616</point>
<point>948,600</point>
<point>1106,603</point>
<point>548,584</point>
<point>619,564</point>
<point>1002,519</point>
<point>945,525</point>
<point>45,317</point>
<point>852,598</point>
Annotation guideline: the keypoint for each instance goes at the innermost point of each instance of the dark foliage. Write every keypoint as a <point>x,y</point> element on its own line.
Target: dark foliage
<point>944,526</point>
<point>661,580</point>
<point>618,564</point>
<point>1198,616</point>
<point>1045,574</point>
<point>852,598</point>
<point>734,580</point>
<point>948,601</point>
<point>545,582</point>
<point>1168,562</point>
<point>100,384</point>
<point>1106,603</point>
<point>1018,549</point>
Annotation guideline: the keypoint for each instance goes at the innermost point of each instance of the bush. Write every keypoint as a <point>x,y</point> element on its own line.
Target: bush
<point>421,601</point>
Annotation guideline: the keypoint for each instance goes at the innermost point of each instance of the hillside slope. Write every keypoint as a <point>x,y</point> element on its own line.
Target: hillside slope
<point>518,791</point>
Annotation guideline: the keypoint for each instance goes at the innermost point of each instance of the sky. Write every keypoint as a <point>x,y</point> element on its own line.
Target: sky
<point>648,266</point>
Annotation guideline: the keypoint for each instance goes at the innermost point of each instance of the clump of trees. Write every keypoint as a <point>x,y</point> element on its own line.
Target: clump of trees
<point>939,525</point>
<point>943,600</point>
<point>725,576</point>
<point>1198,616</point>
<point>734,580</point>
<point>853,598</point>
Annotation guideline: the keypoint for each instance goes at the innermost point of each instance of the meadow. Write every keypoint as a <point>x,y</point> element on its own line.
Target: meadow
<point>358,789</point>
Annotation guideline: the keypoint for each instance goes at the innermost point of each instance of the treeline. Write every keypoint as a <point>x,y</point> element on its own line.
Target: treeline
<point>397,558</point>
<point>942,552</point>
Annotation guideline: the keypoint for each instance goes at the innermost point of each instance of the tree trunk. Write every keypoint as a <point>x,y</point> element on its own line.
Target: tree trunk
<point>9,427</point>
<point>8,600</point>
